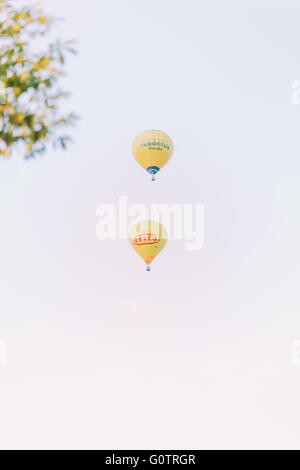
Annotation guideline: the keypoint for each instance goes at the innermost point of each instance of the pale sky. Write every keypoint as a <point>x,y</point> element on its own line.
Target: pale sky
<point>197,354</point>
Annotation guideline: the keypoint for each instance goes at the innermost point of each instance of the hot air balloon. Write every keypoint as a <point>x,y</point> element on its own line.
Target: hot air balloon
<point>152,150</point>
<point>148,238</point>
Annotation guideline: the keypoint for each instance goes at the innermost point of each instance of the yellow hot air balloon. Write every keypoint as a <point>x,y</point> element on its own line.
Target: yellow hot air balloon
<point>148,238</point>
<point>152,150</point>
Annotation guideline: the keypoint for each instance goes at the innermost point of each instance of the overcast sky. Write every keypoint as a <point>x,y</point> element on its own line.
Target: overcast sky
<point>199,352</point>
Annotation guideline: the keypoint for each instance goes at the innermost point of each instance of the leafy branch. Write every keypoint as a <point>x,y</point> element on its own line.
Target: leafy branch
<point>30,99</point>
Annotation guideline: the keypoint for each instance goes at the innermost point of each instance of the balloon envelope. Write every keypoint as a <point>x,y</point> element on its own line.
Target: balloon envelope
<point>148,238</point>
<point>152,150</point>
